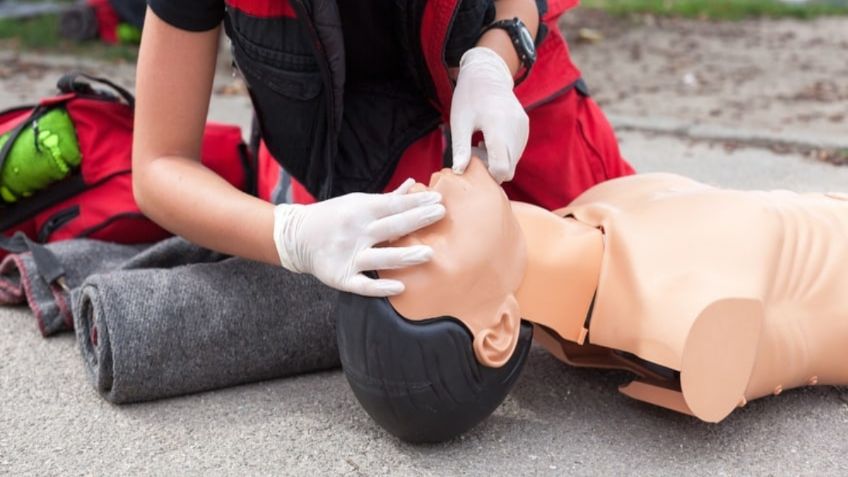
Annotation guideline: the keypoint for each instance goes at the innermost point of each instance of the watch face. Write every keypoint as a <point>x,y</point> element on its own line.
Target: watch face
<point>527,43</point>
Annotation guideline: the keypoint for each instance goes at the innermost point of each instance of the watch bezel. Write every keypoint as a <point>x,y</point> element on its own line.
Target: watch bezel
<point>528,44</point>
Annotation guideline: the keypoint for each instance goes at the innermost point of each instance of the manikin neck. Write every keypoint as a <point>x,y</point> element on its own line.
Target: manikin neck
<point>563,267</point>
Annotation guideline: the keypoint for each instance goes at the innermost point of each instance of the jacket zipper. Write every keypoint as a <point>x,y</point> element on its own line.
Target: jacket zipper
<point>56,221</point>
<point>577,84</point>
<point>303,15</point>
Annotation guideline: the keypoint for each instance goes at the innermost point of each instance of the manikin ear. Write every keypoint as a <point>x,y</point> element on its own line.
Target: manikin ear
<point>494,346</point>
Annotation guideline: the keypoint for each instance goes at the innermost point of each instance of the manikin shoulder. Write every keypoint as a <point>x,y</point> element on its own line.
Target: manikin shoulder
<point>639,187</point>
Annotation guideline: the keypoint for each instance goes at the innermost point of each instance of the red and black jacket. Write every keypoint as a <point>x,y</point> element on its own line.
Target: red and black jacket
<point>336,139</point>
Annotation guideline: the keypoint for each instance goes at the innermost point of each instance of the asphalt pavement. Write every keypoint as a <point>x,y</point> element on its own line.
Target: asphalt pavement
<point>557,421</point>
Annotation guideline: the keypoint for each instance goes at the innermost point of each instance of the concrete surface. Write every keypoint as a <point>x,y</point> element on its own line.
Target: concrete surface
<point>793,140</point>
<point>557,421</point>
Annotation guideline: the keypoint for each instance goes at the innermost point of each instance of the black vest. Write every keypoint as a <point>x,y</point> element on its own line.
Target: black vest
<point>332,138</point>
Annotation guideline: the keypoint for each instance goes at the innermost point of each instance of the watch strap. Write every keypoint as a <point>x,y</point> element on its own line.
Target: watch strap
<point>513,27</point>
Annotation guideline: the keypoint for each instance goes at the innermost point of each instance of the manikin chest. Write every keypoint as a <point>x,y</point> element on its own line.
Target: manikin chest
<point>712,297</point>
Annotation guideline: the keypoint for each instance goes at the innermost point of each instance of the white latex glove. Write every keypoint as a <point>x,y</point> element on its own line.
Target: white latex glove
<point>335,239</point>
<point>483,100</point>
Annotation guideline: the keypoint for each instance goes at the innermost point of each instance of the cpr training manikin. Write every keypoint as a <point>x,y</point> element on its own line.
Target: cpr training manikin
<point>711,297</point>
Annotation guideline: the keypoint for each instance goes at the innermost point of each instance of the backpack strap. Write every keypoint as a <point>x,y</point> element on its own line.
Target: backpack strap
<point>48,266</point>
<point>36,113</point>
<point>70,83</point>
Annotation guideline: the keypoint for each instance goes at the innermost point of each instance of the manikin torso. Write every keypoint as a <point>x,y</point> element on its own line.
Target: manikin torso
<point>712,297</point>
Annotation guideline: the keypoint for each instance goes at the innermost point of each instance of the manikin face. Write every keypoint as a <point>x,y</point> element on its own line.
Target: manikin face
<point>478,264</point>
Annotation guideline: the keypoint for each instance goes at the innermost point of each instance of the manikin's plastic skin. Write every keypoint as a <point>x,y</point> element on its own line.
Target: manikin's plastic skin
<point>711,297</point>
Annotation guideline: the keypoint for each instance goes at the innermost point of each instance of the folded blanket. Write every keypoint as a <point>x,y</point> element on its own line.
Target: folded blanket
<point>20,282</point>
<point>174,318</point>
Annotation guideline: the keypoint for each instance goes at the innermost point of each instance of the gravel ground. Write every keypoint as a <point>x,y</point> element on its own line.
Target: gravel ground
<point>765,75</point>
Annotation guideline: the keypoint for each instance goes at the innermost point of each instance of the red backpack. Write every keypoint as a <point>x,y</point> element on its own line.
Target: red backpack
<point>96,201</point>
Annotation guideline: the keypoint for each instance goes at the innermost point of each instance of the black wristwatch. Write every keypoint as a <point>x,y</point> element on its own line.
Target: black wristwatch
<point>522,40</point>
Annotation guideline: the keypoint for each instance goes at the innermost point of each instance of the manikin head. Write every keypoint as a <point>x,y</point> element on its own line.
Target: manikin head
<point>478,264</point>
<point>435,360</point>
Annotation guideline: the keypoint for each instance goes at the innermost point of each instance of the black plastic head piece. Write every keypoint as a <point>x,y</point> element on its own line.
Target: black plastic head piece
<point>419,380</point>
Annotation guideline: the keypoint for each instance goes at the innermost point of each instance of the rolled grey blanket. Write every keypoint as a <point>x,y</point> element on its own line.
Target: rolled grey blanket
<point>153,333</point>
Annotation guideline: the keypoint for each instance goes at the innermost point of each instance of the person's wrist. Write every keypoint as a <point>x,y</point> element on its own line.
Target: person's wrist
<point>499,41</point>
<point>288,220</point>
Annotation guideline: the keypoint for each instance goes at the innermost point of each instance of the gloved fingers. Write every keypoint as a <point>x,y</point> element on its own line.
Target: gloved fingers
<point>395,226</point>
<point>404,188</point>
<point>387,205</point>
<point>390,258</point>
<point>518,139</point>
<point>365,286</point>
<point>462,128</point>
<point>500,162</point>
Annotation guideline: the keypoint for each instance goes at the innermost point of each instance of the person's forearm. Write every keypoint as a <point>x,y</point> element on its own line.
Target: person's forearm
<point>188,199</point>
<point>498,39</point>
<point>171,186</point>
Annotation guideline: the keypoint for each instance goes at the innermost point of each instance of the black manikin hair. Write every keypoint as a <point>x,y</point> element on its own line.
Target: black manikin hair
<point>419,380</point>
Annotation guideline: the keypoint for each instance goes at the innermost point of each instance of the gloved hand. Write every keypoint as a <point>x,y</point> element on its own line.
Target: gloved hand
<point>483,100</point>
<point>335,240</point>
